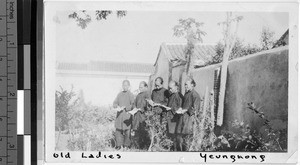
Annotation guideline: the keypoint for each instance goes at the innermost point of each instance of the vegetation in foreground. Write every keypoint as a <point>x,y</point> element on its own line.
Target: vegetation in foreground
<point>84,127</point>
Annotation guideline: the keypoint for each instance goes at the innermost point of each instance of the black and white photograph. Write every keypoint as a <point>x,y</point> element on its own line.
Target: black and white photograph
<point>157,78</point>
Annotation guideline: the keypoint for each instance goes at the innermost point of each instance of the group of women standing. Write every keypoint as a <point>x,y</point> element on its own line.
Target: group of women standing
<point>177,109</point>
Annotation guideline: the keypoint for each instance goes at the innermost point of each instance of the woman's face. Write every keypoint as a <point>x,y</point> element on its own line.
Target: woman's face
<point>188,85</point>
<point>158,83</point>
<point>125,86</point>
<point>142,87</point>
<point>173,87</point>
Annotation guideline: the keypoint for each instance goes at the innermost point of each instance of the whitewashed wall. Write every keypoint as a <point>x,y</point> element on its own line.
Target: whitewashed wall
<point>98,90</point>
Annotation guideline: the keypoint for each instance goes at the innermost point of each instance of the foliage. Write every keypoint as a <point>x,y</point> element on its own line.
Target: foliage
<point>267,38</point>
<point>203,127</point>
<point>92,128</point>
<point>156,125</point>
<point>239,50</point>
<point>190,29</point>
<point>64,103</point>
<point>243,138</point>
<point>83,18</point>
<point>88,127</point>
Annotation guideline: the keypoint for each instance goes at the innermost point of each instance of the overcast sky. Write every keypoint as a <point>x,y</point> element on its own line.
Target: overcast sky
<point>138,36</point>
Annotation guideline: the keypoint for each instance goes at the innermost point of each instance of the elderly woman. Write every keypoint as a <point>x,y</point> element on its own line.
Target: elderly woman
<point>140,136</point>
<point>174,103</point>
<point>124,103</point>
<point>191,103</point>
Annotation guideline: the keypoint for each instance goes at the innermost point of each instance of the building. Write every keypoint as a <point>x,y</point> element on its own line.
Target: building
<point>100,81</point>
<point>283,40</point>
<point>171,60</point>
<point>261,78</point>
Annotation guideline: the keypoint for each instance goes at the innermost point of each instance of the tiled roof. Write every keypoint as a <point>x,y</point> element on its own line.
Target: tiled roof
<point>283,40</point>
<point>106,66</point>
<point>175,52</point>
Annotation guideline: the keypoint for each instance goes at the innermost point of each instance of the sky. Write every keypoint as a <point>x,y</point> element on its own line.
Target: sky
<point>138,36</point>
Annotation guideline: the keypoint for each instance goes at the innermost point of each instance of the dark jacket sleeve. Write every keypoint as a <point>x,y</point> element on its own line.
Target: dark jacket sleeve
<point>144,102</point>
<point>151,95</point>
<point>177,105</point>
<point>166,96</point>
<point>135,102</point>
<point>131,105</point>
<point>116,101</point>
<point>195,103</point>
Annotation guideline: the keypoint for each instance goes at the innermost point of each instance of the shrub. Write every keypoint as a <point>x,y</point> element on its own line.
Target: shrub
<point>203,126</point>
<point>156,125</point>
<point>242,138</point>
<point>92,128</point>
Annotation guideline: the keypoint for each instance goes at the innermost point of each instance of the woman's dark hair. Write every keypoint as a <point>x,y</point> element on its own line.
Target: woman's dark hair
<point>145,84</point>
<point>161,80</point>
<point>176,83</point>
<point>192,81</point>
<point>127,81</point>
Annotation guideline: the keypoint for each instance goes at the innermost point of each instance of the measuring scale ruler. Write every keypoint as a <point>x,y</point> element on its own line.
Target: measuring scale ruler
<point>8,82</point>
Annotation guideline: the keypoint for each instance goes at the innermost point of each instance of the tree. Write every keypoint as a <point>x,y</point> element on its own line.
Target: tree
<point>267,38</point>
<point>230,28</point>
<point>239,50</point>
<point>83,18</point>
<point>64,103</point>
<point>189,29</point>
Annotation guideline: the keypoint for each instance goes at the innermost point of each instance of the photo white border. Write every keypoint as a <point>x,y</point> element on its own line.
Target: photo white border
<point>51,7</point>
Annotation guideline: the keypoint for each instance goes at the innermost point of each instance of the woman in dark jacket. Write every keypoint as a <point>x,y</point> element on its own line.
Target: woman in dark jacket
<point>138,124</point>
<point>191,103</point>
<point>123,102</point>
<point>174,103</point>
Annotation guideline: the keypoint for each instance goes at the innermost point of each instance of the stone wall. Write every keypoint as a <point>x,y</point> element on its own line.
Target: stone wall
<point>261,78</point>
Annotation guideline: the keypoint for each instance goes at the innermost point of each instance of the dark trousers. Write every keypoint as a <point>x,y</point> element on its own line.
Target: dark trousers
<point>123,138</point>
<point>173,137</point>
<point>141,138</point>
<point>183,142</point>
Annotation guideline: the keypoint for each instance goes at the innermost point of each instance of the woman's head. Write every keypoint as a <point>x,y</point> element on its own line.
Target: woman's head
<point>143,86</point>
<point>159,82</point>
<point>173,86</point>
<point>189,84</point>
<point>125,85</point>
